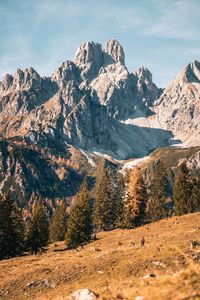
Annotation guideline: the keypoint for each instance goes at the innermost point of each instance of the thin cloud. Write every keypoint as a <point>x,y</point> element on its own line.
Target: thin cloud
<point>44,33</point>
<point>176,20</point>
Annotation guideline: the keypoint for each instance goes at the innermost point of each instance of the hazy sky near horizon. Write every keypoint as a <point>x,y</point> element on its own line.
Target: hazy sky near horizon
<point>161,35</point>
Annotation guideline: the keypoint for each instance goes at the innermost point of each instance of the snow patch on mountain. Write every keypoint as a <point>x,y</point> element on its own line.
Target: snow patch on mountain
<point>127,165</point>
<point>89,157</point>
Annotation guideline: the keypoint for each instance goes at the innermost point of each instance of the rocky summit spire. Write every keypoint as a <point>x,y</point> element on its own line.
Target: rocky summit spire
<point>115,50</point>
<point>143,74</point>
<point>87,53</point>
<point>89,58</point>
<point>194,71</point>
<point>189,74</point>
<point>147,90</point>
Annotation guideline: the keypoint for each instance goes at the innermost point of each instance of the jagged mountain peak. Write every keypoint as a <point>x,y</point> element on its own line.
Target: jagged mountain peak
<point>178,106</point>
<point>143,74</point>
<point>22,79</point>
<point>94,103</point>
<point>115,50</point>
<point>189,74</point>
<point>195,68</point>
<point>195,63</point>
<point>6,83</point>
<point>87,52</point>
<point>89,59</point>
<point>66,72</point>
<point>27,72</point>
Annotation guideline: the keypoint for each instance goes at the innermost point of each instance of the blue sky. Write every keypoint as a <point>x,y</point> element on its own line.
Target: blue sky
<point>161,35</point>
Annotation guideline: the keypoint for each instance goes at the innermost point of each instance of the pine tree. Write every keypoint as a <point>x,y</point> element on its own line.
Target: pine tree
<point>11,228</point>
<point>104,212</point>
<point>159,189</point>
<point>195,195</point>
<point>38,232</point>
<point>119,202</point>
<point>135,206</point>
<point>19,229</point>
<point>79,224</point>
<point>58,226</point>
<point>182,190</point>
<point>186,191</point>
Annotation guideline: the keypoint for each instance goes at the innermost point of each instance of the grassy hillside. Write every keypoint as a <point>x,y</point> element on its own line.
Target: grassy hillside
<point>113,266</point>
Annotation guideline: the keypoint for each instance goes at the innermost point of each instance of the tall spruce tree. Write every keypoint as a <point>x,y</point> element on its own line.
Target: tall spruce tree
<point>195,194</point>
<point>104,208</point>
<point>79,224</point>
<point>186,191</point>
<point>11,228</point>
<point>159,189</point>
<point>119,201</point>
<point>38,231</point>
<point>135,206</point>
<point>57,227</point>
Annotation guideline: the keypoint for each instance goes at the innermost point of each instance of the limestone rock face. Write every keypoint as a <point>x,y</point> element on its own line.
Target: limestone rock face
<point>66,72</point>
<point>87,105</point>
<point>115,50</point>
<point>89,59</point>
<point>125,95</point>
<point>178,108</point>
<point>80,104</point>
<point>146,89</point>
<point>21,80</point>
<point>115,88</point>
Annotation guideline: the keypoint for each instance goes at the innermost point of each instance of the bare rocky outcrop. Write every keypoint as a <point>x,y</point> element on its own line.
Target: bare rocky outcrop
<point>80,104</point>
<point>86,104</point>
<point>146,89</point>
<point>178,107</point>
<point>115,51</point>
<point>115,88</point>
<point>89,59</point>
<point>83,294</point>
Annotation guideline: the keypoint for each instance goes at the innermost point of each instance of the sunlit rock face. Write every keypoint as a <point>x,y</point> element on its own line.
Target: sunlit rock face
<point>115,51</point>
<point>84,99</point>
<point>92,104</point>
<point>178,108</point>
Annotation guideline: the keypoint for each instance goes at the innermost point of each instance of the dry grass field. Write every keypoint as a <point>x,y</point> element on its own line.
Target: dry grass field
<point>113,266</point>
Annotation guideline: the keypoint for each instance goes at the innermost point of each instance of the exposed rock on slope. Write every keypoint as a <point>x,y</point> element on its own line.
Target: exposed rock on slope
<point>147,90</point>
<point>115,88</point>
<point>178,108</point>
<point>87,104</point>
<point>89,59</point>
<point>25,170</point>
<point>67,108</point>
<point>115,50</point>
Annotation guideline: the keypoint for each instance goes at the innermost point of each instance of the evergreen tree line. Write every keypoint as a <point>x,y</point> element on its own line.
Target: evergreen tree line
<point>180,198</point>
<point>119,203</point>
<point>16,237</point>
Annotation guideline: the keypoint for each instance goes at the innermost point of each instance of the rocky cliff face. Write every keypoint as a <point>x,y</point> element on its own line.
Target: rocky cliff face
<point>84,106</point>
<point>178,108</point>
<point>115,51</point>
<point>79,103</point>
<point>146,89</point>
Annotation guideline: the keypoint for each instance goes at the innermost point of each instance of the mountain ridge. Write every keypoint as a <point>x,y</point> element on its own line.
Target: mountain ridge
<point>95,104</point>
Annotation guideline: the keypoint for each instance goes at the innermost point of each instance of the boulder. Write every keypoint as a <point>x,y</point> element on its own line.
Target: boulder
<point>83,294</point>
<point>150,275</point>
